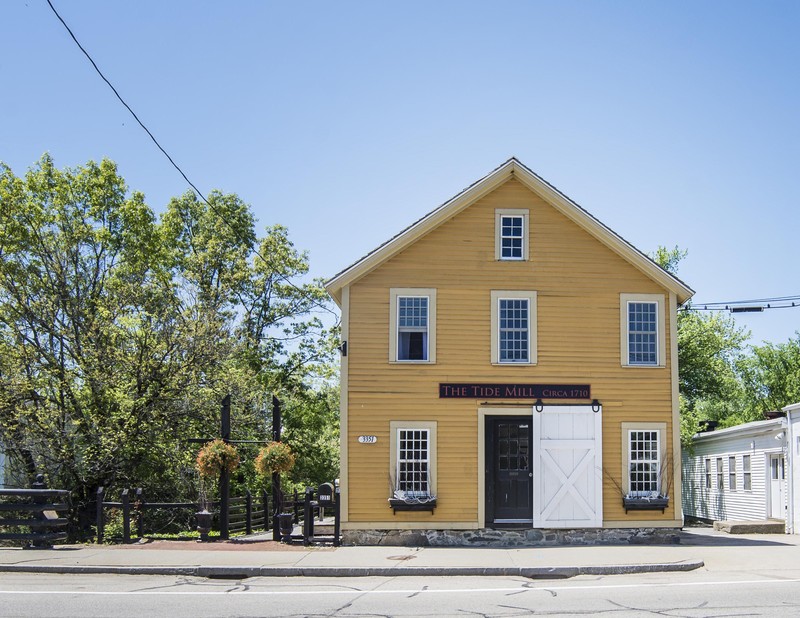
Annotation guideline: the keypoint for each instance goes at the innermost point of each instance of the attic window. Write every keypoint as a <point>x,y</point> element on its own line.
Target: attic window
<point>511,234</point>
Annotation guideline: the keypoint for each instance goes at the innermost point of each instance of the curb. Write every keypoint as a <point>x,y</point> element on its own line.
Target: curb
<point>243,572</point>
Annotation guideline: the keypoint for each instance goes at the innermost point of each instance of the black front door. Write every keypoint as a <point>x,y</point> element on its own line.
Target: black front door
<point>509,478</point>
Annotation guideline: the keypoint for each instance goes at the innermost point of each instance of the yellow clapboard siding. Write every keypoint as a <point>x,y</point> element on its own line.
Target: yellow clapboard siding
<point>578,281</point>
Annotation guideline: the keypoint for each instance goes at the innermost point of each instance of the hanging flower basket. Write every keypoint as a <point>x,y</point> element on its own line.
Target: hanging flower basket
<point>274,457</point>
<point>215,457</point>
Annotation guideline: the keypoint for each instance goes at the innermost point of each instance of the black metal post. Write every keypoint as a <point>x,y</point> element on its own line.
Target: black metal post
<point>139,504</point>
<point>100,520</point>
<point>40,484</point>
<point>336,519</point>
<point>248,512</point>
<point>225,477</point>
<point>126,516</point>
<point>277,496</point>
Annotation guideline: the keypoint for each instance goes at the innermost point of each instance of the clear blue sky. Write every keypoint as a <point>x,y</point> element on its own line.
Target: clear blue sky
<point>674,123</point>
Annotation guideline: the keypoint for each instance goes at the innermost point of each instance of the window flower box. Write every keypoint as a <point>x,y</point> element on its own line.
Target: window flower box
<point>416,504</point>
<point>645,503</point>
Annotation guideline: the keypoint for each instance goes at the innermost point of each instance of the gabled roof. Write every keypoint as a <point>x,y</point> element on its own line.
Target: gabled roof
<point>510,169</point>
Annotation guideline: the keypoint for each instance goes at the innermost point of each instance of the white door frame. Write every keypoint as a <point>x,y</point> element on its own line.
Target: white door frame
<point>776,486</point>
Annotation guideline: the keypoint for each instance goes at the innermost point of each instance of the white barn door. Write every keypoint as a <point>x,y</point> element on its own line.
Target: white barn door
<point>567,467</point>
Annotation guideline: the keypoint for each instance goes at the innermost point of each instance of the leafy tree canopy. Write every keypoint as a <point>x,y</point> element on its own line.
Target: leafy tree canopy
<point>120,333</point>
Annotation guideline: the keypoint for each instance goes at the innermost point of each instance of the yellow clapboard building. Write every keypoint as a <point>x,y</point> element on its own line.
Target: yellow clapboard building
<point>508,375</point>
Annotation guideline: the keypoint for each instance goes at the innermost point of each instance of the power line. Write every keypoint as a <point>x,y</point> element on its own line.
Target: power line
<point>236,233</point>
<point>753,305</point>
<point>128,107</point>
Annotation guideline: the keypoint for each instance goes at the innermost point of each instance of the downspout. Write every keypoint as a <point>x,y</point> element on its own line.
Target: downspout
<point>788,433</point>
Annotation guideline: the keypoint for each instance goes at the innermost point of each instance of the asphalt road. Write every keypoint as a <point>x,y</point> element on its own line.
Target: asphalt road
<point>689,595</point>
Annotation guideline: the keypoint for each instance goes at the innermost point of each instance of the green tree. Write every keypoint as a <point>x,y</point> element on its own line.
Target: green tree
<point>119,335</point>
<point>710,346</point>
<point>771,378</point>
<point>94,342</point>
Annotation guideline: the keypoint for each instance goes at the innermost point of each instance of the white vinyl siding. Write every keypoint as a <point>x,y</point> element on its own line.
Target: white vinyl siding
<point>749,454</point>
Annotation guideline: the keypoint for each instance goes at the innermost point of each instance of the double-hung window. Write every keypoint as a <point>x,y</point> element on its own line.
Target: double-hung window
<point>644,453</point>
<point>708,473</point>
<point>513,327</point>
<point>413,457</point>
<point>511,234</point>
<point>642,330</point>
<point>732,473</point>
<point>644,462</point>
<point>747,478</point>
<point>720,475</point>
<point>412,325</point>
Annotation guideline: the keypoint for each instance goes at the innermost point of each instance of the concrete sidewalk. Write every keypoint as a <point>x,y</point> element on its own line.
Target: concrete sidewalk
<point>240,560</point>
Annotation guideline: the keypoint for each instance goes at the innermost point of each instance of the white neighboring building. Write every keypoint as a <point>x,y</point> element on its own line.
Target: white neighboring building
<point>747,472</point>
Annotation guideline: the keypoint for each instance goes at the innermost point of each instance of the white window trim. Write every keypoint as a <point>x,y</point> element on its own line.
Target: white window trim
<point>496,296</point>
<point>498,244</point>
<point>661,351</point>
<point>747,473</point>
<point>394,433</point>
<point>394,295</point>
<point>661,428</point>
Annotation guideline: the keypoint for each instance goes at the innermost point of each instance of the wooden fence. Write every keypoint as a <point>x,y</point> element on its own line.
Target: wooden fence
<point>33,515</point>
<point>245,514</point>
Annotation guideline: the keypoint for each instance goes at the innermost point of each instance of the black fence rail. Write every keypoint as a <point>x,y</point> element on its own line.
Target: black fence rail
<point>246,514</point>
<point>33,515</point>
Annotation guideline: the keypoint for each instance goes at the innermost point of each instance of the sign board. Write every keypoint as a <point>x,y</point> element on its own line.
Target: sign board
<point>514,391</point>
<point>367,439</point>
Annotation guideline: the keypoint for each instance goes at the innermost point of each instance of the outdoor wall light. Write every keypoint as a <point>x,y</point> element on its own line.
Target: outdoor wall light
<point>538,406</point>
<point>595,406</point>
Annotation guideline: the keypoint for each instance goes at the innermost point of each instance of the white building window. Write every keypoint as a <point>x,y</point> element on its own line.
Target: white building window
<point>413,457</point>
<point>708,473</point>
<point>412,325</point>
<point>511,234</point>
<point>645,470</point>
<point>720,475</point>
<point>747,477</point>
<point>644,463</point>
<point>513,328</point>
<point>642,337</point>
<point>732,473</point>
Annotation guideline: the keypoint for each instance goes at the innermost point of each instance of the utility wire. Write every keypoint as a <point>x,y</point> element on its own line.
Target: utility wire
<point>250,245</point>
<point>128,107</point>
<point>753,305</point>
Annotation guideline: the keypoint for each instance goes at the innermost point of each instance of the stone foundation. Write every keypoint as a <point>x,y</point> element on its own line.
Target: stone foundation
<point>487,537</point>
